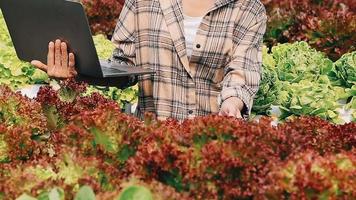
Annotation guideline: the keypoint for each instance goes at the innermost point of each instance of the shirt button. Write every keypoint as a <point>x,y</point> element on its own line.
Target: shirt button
<point>198,46</point>
<point>190,112</point>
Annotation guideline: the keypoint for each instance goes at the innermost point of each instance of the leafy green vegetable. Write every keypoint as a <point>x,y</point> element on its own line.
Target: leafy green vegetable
<point>26,197</point>
<point>344,71</point>
<point>104,140</point>
<point>41,173</point>
<point>85,193</point>
<point>298,61</point>
<point>69,171</point>
<point>67,95</point>
<point>54,194</point>
<point>127,95</point>
<point>38,76</point>
<point>310,98</point>
<point>104,47</point>
<point>302,81</point>
<point>53,119</point>
<point>135,193</point>
<point>125,153</point>
<point>3,149</point>
<point>4,36</point>
<point>269,86</point>
<point>9,113</point>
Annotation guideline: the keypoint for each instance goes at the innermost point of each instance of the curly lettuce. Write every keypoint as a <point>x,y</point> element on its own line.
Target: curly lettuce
<point>298,79</point>
<point>298,61</point>
<point>121,96</point>
<point>3,149</point>
<point>104,47</point>
<point>344,71</point>
<point>313,98</point>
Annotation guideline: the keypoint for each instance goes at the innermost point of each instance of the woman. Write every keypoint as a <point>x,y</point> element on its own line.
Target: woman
<point>206,55</point>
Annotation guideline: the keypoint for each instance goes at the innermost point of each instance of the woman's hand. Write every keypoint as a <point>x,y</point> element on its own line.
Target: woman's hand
<point>232,107</point>
<point>60,64</point>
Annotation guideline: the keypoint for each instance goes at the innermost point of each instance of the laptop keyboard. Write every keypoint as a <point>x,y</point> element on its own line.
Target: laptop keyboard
<point>107,70</point>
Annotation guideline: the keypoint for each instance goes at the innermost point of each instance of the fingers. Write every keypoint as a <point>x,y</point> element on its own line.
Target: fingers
<point>221,113</point>
<point>39,65</point>
<point>57,53</point>
<point>71,64</point>
<point>60,64</point>
<point>229,111</point>
<point>238,115</point>
<point>224,111</point>
<point>50,55</point>
<point>64,54</point>
<point>232,114</point>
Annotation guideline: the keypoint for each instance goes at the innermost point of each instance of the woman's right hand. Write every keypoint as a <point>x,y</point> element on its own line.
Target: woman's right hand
<point>60,64</point>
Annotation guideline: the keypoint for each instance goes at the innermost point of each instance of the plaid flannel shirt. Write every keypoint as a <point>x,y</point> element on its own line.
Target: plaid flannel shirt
<point>225,62</point>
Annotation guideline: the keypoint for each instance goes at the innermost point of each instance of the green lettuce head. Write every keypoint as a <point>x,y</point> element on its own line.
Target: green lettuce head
<point>344,71</point>
<point>104,47</point>
<point>298,61</point>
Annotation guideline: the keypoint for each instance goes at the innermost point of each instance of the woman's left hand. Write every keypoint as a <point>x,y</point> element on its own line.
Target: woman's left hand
<point>232,107</point>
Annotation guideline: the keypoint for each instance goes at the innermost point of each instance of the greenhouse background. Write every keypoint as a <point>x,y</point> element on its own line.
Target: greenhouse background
<point>70,140</point>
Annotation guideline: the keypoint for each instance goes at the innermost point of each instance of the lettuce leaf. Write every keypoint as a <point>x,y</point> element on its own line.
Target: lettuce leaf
<point>344,71</point>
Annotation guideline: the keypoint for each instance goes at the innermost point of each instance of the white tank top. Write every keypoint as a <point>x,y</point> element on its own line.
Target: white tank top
<point>191,25</point>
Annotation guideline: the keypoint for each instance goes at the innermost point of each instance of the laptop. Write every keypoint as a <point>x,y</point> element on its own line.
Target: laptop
<point>34,23</point>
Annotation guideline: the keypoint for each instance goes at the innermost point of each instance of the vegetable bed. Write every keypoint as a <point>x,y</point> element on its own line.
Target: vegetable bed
<point>297,80</point>
<point>52,146</point>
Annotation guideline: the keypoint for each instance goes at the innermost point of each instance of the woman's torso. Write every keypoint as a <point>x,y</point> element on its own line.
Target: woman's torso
<point>183,88</point>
